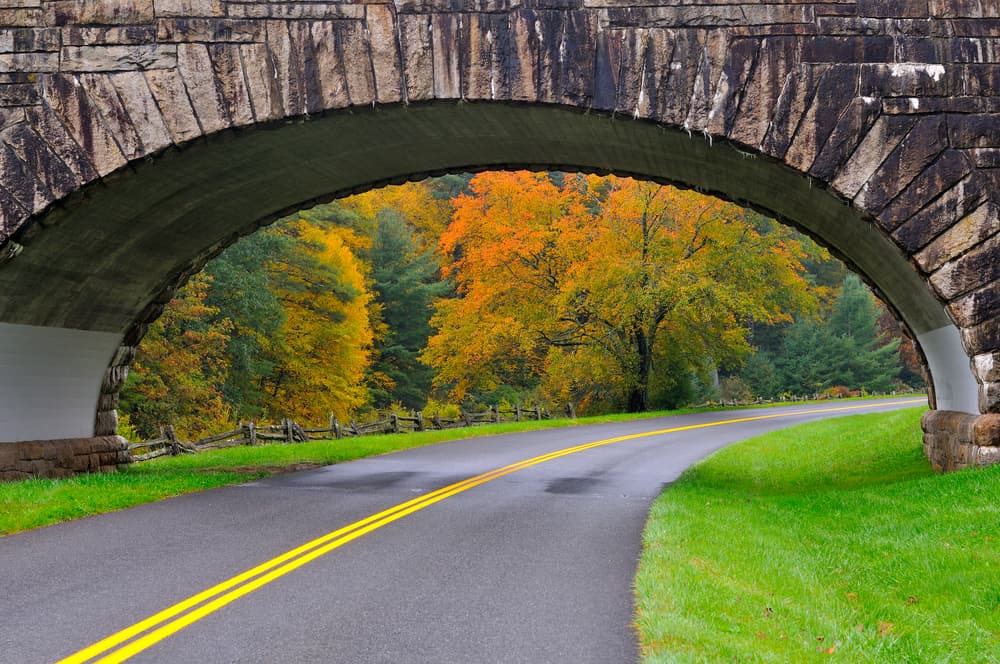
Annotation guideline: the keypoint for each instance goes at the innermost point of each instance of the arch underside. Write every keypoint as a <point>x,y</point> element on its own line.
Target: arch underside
<point>98,266</point>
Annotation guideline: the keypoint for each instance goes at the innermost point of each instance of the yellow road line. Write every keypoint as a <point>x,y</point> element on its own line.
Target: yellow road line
<point>263,574</point>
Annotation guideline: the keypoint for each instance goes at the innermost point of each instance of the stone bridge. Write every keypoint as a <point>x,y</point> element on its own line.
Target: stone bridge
<point>140,137</point>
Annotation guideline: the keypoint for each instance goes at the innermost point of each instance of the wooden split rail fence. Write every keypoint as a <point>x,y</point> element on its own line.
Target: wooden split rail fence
<point>289,431</point>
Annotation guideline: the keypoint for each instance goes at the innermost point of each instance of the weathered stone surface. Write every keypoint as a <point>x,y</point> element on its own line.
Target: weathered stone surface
<point>98,12</point>
<point>62,458</point>
<point>118,58</point>
<point>969,231</point>
<point>381,24</point>
<point>942,212</point>
<point>987,367</point>
<point>976,268</point>
<point>188,8</point>
<point>953,441</point>
<point>195,67</point>
<point>102,93</point>
<point>140,106</point>
<point>946,172</point>
<point>228,68</point>
<point>172,99</point>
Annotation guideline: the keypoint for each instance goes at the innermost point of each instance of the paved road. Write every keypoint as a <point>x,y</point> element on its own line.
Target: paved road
<point>532,566</point>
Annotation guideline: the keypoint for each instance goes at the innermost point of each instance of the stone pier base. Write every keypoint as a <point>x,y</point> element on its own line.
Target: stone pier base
<point>62,458</point>
<point>954,440</point>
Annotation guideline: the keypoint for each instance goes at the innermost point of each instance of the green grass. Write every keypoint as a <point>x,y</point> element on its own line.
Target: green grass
<point>832,540</point>
<point>35,503</point>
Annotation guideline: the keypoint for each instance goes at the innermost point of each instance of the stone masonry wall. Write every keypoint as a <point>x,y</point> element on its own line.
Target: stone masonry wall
<point>62,458</point>
<point>892,105</point>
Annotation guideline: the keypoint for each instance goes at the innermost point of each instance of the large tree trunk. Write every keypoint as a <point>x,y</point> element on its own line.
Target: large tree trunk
<point>638,398</point>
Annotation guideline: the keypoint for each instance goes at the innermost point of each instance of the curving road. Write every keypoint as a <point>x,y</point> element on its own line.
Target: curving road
<point>532,564</point>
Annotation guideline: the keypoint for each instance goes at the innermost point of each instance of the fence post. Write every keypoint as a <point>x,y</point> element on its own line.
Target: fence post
<point>252,432</point>
<point>395,422</point>
<point>495,414</point>
<point>538,412</point>
<point>287,422</point>
<point>175,447</point>
<point>570,410</point>
<point>466,418</point>
<point>354,428</point>
<point>420,420</point>
<point>437,421</point>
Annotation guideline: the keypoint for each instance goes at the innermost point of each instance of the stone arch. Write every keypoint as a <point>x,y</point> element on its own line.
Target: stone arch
<point>139,138</point>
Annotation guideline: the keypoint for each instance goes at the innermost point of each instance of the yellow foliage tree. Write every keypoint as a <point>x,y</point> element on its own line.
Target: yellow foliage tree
<point>595,281</point>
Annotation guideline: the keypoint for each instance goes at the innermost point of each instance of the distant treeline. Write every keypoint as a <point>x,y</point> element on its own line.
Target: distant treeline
<point>506,288</point>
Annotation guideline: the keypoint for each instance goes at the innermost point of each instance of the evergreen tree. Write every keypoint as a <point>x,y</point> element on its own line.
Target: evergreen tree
<point>405,283</point>
<point>846,349</point>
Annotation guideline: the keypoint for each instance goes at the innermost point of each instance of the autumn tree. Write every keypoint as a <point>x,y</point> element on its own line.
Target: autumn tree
<point>178,374</point>
<point>595,283</point>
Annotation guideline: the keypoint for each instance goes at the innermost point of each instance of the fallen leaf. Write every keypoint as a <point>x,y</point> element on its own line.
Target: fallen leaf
<point>912,599</point>
<point>884,628</point>
<point>852,596</point>
<point>767,612</point>
<point>761,635</point>
<point>830,650</point>
<point>860,628</point>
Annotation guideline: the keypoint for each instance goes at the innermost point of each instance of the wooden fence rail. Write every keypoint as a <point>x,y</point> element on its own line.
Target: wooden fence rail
<point>289,431</point>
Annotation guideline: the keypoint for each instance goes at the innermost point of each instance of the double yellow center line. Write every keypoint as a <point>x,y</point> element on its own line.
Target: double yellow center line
<point>175,618</point>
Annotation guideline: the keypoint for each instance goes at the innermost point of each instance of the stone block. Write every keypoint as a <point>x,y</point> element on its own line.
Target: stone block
<point>66,96</point>
<point>134,35</point>
<point>942,175</point>
<point>188,8</point>
<point>229,76</point>
<point>987,367</point>
<point>976,268</point>
<point>847,132</point>
<point>955,203</point>
<point>265,98</point>
<point>989,397</point>
<point>105,97</point>
<point>29,62</point>
<point>171,97</point>
<point>976,306</point>
<point>39,158</point>
<point>98,12</point>
<point>915,153</point>
<point>26,40</point>
<point>195,68</point>
<point>382,35</point>
<point>415,40</point>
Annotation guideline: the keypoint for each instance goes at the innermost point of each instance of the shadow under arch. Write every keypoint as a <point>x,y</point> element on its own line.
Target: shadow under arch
<point>98,267</point>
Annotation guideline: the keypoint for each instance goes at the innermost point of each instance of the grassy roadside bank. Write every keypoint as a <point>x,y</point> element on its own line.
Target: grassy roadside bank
<point>832,539</point>
<point>35,503</point>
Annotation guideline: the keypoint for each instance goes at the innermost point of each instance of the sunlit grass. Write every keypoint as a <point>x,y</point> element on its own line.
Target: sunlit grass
<point>827,540</point>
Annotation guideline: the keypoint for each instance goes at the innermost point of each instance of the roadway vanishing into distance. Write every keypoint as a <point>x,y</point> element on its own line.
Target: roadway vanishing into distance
<point>400,558</point>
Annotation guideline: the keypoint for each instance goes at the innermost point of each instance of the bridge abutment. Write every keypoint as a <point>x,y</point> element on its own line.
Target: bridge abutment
<point>954,440</point>
<point>62,458</point>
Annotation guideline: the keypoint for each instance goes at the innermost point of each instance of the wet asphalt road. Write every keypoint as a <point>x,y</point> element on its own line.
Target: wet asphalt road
<point>535,566</point>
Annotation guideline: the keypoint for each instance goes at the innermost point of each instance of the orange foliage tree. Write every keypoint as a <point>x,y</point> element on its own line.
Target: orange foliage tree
<point>598,285</point>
